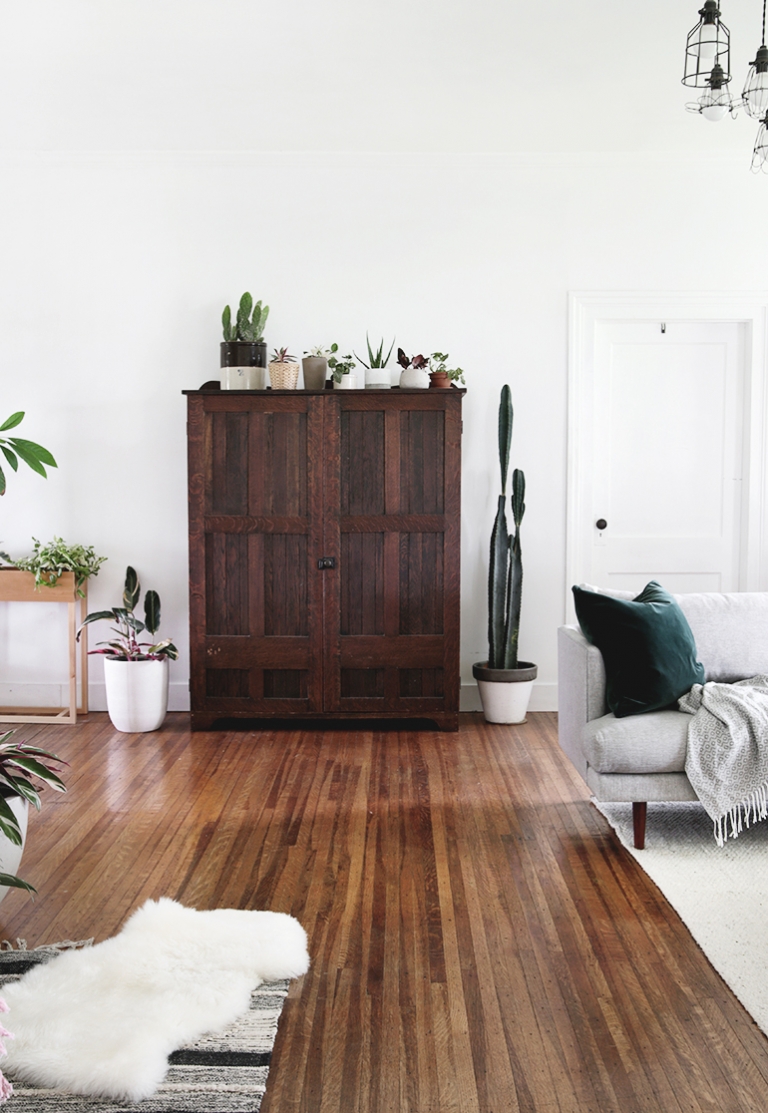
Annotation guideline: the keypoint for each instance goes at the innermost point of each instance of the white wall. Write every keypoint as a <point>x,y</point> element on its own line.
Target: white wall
<point>117,261</point>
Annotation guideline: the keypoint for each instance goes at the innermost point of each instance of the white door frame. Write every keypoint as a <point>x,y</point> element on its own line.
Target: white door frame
<point>585,311</point>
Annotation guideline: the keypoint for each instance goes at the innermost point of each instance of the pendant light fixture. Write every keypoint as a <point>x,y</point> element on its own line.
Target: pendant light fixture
<point>717,101</point>
<point>755,95</point>
<point>760,153</point>
<point>708,45</point>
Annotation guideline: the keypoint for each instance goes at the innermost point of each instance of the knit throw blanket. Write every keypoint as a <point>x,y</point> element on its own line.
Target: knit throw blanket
<point>727,759</point>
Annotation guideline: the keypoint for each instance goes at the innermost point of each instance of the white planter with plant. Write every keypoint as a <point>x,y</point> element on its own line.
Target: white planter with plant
<point>415,371</point>
<point>504,682</point>
<point>283,370</point>
<point>377,375</point>
<point>135,673</point>
<point>342,370</point>
<point>24,771</point>
<point>244,350</point>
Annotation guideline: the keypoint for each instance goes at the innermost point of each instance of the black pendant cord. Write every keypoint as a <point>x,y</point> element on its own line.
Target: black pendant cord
<point>764,3</point>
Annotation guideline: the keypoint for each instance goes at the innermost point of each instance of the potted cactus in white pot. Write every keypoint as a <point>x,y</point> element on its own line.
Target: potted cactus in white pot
<point>135,672</point>
<point>504,681</point>
<point>243,349</point>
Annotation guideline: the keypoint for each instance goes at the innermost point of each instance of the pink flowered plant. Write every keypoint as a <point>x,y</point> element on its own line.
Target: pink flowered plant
<point>6,1089</point>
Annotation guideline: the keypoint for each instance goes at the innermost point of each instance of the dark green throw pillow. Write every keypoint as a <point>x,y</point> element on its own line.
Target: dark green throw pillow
<point>647,646</point>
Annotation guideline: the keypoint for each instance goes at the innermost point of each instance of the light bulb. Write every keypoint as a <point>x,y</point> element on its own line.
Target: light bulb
<point>714,112</point>
<point>708,42</point>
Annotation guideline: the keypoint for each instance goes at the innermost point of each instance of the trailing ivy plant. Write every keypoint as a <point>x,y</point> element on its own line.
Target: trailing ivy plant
<point>49,562</point>
<point>17,448</point>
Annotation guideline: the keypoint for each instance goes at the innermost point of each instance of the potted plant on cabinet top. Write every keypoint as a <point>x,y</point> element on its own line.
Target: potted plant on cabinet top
<point>135,673</point>
<point>377,377</point>
<point>243,350</point>
<point>343,371</point>
<point>21,766</point>
<point>440,375</point>
<point>505,683</point>
<point>415,370</point>
<point>315,367</point>
<point>283,370</point>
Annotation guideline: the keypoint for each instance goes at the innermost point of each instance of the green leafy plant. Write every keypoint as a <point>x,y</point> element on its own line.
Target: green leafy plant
<point>281,355</point>
<point>24,771</point>
<point>128,627</point>
<point>250,322</point>
<point>49,562</point>
<point>341,366</point>
<point>505,574</point>
<point>438,365</point>
<point>17,448</point>
<point>319,352</point>
<point>376,358</point>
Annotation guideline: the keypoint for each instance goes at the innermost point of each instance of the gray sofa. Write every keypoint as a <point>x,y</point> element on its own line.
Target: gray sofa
<point>641,758</point>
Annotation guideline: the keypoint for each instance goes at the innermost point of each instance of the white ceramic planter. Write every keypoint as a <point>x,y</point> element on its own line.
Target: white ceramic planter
<point>243,378</point>
<point>505,693</point>
<point>348,382</point>
<point>414,377</point>
<point>10,855</point>
<point>137,693</point>
<point>377,378</point>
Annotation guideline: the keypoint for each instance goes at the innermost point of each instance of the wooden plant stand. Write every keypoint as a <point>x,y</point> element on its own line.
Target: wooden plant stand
<point>19,587</point>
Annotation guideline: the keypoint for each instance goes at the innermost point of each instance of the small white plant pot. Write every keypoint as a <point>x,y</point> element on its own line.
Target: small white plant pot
<point>10,854</point>
<point>377,378</point>
<point>505,693</point>
<point>348,382</point>
<point>414,377</point>
<point>137,693</point>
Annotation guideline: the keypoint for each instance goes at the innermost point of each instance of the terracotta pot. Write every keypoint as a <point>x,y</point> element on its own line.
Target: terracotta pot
<point>439,379</point>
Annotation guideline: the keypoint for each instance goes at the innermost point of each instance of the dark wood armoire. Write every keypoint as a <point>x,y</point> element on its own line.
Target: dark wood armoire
<point>324,545</point>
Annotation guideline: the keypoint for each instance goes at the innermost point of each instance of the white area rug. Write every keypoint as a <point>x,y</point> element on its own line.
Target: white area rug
<point>720,893</point>
<point>103,1021</point>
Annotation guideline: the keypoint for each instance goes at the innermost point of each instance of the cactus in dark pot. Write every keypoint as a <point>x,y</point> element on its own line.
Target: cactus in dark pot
<point>249,325</point>
<point>505,575</point>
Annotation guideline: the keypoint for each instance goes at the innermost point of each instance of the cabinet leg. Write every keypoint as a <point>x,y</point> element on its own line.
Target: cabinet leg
<point>639,815</point>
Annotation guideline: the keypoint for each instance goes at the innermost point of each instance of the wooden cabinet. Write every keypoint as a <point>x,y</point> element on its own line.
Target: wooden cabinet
<point>324,554</point>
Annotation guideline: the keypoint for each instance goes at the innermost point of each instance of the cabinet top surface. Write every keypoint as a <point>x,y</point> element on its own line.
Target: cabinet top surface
<point>292,393</point>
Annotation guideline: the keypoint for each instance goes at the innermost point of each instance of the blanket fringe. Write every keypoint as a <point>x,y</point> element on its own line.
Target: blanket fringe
<point>751,809</point>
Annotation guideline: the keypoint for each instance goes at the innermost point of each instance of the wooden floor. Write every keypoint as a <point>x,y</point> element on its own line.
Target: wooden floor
<point>480,941</point>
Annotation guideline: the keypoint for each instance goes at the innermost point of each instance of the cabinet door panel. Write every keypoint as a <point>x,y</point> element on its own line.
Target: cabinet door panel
<point>255,516</point>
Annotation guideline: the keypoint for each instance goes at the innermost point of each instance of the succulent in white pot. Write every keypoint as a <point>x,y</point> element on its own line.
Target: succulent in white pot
<point>135,672</point>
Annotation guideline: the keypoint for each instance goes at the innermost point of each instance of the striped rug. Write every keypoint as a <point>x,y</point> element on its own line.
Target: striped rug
<point>224,1072</point>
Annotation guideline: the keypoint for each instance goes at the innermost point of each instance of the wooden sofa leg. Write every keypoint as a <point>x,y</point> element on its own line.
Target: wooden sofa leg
<point>639,814</point>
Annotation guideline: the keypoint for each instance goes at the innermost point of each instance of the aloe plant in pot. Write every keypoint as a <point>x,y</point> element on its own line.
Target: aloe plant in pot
<point>504,681</point>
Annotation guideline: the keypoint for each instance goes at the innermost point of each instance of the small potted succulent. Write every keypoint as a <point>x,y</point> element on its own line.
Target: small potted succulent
<point>135,672</point>
<point>342,370</point>
<point>377,377</point>
<point>283,370</point>
<point>315,366</point>
<point>440,375</point>
<point>243,350</point>
<point>505,682</point>
<point>415,370</point>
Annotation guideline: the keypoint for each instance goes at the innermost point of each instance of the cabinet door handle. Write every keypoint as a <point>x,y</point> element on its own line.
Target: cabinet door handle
<point>326,562</point>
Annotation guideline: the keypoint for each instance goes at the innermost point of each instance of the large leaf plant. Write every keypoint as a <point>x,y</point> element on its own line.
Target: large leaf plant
<point>24,771</point>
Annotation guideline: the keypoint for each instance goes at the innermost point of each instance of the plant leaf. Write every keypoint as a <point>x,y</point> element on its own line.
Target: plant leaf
<point>497,587</point>
<point>12,421</point>
<point>506,415</point>
<point>11,457</point>
<point>9,823</point>
<point>2,482</point>
<point>29,457</point>
<point>37,450</point>
<point>152,611</point>
<point>132,589</point>
<point>16,883</point>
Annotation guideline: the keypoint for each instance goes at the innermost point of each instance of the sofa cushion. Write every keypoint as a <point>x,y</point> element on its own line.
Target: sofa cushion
<point>655,743</point>
<point>647,646</point>
<point>731,632</point>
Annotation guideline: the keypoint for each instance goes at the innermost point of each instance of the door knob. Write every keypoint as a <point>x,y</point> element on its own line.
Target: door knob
<point>601,523</point>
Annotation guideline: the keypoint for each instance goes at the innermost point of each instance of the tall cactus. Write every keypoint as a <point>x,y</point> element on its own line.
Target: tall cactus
<point>505,575</point>
<point>249,326</point>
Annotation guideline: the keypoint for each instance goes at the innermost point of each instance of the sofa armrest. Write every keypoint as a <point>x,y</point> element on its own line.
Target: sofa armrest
<point>581,691</point>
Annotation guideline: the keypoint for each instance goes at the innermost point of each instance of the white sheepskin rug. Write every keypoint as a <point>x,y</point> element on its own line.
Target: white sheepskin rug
<point>103,1021</point>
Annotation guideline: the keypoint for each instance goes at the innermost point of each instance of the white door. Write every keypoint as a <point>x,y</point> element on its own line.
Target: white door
<point>666,455</point>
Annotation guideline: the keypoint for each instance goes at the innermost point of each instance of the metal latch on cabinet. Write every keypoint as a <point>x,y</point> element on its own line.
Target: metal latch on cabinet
<point>326,562</point>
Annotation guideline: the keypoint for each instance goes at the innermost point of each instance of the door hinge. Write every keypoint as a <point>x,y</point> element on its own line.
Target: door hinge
<point>326,562</point>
